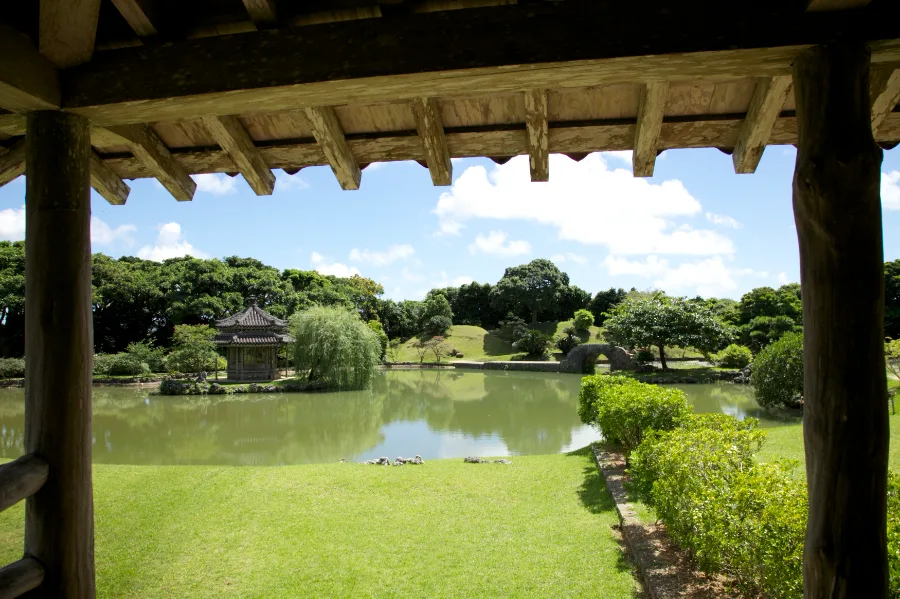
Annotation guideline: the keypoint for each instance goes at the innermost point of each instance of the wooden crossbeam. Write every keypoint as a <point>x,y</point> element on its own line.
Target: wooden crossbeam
<point>21,479</point>
<point>430,127</point>
<point>765,106</point>
<point>262,12</point>
<point>885,99</point>
<point>28,80</point>
<point>136,84</point>
<point>231,136</point>
<point>67,30</point>
<point>12,163</point>
<point>826,5</point>
<point>149,149</point>
<point>536,128</point>
<point>19,577</point>
<point>107,183</point>
<point>140,15</point>
<point>651,105</point>
<point>330,136</point>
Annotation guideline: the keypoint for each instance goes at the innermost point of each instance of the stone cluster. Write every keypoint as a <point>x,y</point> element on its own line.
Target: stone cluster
<point>743,377</point>
<point>400,461</point>
<point>475,460</point>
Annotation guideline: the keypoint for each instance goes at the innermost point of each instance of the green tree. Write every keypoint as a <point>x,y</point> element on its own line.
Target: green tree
<point>535,286</point>
<point>777,375</point>
<point>659,320</point>
<point>194,350</point>
<point>892,299</point>
<point>437,316</point>
<point>583,320</point>
<point>604,301</point>
<point>334,346</point>
<point>12,298</point>
<point>382,336</point>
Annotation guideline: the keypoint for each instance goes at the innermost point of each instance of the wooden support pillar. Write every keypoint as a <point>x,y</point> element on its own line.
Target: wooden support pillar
<point>59,519</point>
<point>837,209</point>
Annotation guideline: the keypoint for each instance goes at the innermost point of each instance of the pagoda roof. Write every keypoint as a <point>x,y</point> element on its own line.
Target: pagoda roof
<point>253,317</point>
<point>253,338</point>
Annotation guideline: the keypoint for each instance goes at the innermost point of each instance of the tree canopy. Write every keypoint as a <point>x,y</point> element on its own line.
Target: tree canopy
<point>536,286</point>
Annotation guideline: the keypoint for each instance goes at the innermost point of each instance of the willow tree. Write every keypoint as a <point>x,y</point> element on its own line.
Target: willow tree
<point>334,346</point>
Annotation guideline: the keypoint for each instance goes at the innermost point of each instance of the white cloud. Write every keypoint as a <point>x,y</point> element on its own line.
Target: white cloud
<point>12,224</point>
<point>285,182</point>
<point>568,257</point>
<point>103,234</point>
<point>321,265</point>
<point>446,281</point>
<point>890,190</point>
<point>783,278</point>
<point>723,220</point>
<point>408,275</point>
<point>707,277</point>
<point>170,244</point>
<point>374,166</point>
<point>623,155</point>
<point>586,202</point>
<point>388,256</point>
<point>498,242</point>
<point>216,183</point>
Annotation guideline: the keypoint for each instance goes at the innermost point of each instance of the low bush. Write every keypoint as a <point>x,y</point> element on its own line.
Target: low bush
<point>125,364</point>
<point>893,533</point>
<point>568,341</point>
<point>583,320</point>
<point>144,351</point>
<point>12,368</point>
<point>625,410</point>
<point>733,356</point>
<point>533,343</point>
<point>102,362</point>
<point>777,375</point>
<point>644,356</point>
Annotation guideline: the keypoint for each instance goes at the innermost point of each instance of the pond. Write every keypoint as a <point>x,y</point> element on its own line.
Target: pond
<point>434,413</point>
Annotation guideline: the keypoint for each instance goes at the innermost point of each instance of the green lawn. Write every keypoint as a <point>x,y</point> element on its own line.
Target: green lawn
<point>540,527</point>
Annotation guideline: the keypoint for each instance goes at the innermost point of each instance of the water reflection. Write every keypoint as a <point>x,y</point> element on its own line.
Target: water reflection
<point>435,413</point>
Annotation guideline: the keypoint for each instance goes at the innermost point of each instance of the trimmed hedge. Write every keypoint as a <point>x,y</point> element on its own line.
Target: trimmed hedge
<point>734,356</point>
<point>777,375</point>
<point>12,368</point>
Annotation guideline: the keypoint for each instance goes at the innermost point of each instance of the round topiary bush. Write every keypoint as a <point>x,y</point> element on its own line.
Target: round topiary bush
<point>734,356</point>
<point>777,374</point>
<point>583,320</point>
<point>124,364</point>
<point>533,343</point>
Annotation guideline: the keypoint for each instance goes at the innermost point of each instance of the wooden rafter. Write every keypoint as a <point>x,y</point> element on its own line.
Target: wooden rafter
<point>651,105</point>
<point>12,163</point>
<point>826,5</point>
<point>140,15</point>
<point>136,84</point>
<point>231,136</point>
<point>150,150</point>
<point>329,134</point>
<point>262,12</point>
<point>107,183</point>
<point>765,106</point>
<point>67,30</point>
<point>536,128</point>
<point>28,80</point>
<point>885,99</point>
<point>430,127</point>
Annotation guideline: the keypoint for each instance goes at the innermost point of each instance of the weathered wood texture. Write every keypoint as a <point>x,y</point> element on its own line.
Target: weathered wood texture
<point>149,149</point>
<point>28,81</point>
<point>140,15</point>
<point>582,44</point>
<point>107,183</point>
<point>430,128</point>
<point>648,128</point>
<point>328,133</point>
<point>19,577</point>
<point>262,12</point>
<point>59,518</point>
<point>231,136</point>
<point>886,99</point>
<point>21,478</point>
<point>536,129</point>
<point>765,106</point>
<point>824,5</point>
<point>12,163</point>
<point>68,29</point>
<point>837,209</point>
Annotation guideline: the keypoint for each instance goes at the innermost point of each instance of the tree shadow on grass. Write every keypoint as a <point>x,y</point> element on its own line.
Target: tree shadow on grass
<point>495,346</point>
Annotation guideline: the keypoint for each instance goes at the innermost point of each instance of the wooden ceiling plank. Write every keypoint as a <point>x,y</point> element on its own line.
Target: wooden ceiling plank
<point>430,127</point>
<point>107,183</point>
<point>67,30</point>
<point>262,12</point>
<point>140,15</point>
<point>765,106</point>
<point>231,136</point>
<point>885,100</point>
<point>536,127</point>
<point>12,163</point>
<point>149,149</point>
<point>136,84</point>
<point>330,136</point>
<point>826,5</point>
<point>649,124</point>
<point>28,80</point>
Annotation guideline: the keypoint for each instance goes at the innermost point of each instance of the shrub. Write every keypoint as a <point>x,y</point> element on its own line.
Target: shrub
<point>12,368</point>
<point>644,356</point>
<point>125,364</point>
<point>102,362</point>
<point>512,327</point>
<point>437,326</point>
<point>625,410</point>
<point>777,375</point>
<point>533,343</point>
<point>568,341</point>
<point>734,356</point>
<point>382,336</point>
<point>154,357</point>
<point>893,533</point>
<point>195,350</point>
<point>583,320</point>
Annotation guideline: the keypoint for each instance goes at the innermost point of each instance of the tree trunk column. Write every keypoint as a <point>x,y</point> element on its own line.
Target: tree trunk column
<point>59,519</point>
<point>837,209</point>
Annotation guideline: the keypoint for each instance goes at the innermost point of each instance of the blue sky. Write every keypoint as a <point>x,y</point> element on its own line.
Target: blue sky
<point>694,227</point>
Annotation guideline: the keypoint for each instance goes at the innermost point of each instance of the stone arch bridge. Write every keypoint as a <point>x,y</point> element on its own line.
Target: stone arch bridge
<point>619,359</point>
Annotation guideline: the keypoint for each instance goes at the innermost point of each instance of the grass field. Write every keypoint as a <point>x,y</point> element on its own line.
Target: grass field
<point>540,527</point>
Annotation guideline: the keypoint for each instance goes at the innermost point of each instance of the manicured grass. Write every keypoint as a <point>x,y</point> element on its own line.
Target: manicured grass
<point>540,527</point>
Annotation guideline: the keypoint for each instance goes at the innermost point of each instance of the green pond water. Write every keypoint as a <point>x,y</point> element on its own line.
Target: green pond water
<point>433,413</point>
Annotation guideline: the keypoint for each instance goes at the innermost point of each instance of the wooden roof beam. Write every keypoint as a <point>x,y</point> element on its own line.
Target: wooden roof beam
<point>68,29</point>
<point>765,106</point>
<point>140,15</point>
<point>651,105</point>
<point>536,127</point>
<point>107,183</point>
<point>12,162</point>
<point>329,134</point>
<point>229,133</point>
<point>825,5</point>
<point>430,126</point>
<point>262,12</point>
<point>884,98</point>
<point>28,80</point>
<point>149,149</point>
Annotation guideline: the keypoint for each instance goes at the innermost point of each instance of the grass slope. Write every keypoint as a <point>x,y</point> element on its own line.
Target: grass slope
<point>540,527</point>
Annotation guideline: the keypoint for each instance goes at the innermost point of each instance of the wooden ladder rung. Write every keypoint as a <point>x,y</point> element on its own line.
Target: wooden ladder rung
<point>19,577</point>
<point>21,478</point>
